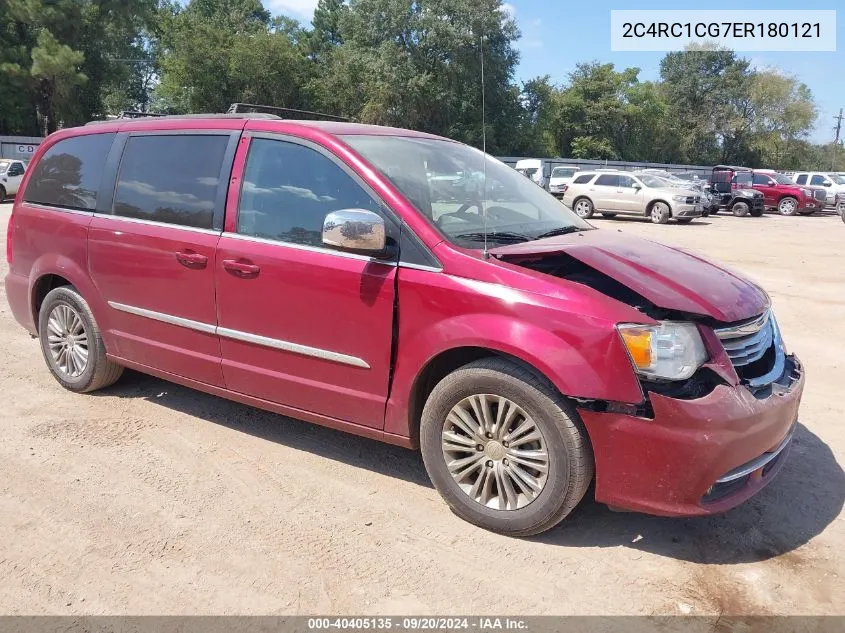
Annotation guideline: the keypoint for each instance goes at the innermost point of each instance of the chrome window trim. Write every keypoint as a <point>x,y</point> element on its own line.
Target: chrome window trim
<point>48,207</point>
<point>757,463</point>
<point>181,227</point>
<point>199,326</point>
<point>431,269</point>
<point>246,337</point>
<point>306,247</point>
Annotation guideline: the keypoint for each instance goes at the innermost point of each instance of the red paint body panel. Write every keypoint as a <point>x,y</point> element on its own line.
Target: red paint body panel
<point>668,277</point>
<point>135,264</point>
<point>389,322</point>
<point>665,465</point>
<point>314,299</point>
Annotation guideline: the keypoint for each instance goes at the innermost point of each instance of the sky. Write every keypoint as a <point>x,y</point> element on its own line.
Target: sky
<point>557,34</point>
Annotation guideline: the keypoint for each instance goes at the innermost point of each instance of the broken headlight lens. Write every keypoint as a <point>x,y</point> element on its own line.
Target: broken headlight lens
<point>669,350</point>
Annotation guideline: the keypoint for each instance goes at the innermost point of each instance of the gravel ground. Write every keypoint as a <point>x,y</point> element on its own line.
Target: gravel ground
<point>151,498</point>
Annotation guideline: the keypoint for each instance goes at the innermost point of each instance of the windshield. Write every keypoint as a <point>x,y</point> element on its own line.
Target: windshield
<point>781,179</point>
<point>654,181</point>
<point>563,172</point>
<point>528,172</point>
<point>838,179</point>
<point>517,209</point>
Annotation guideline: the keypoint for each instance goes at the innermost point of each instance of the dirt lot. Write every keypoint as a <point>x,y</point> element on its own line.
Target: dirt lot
<point>151,498</point>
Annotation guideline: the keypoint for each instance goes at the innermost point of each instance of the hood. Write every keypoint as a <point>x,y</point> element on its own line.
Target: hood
<point>680,190</point>
<point>668,277</point>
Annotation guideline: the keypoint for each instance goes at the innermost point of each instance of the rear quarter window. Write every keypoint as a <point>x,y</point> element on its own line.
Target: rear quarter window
<point>171,178</point>
<point>802,179</point>
<point>68,174</point>
<point>583,179</point>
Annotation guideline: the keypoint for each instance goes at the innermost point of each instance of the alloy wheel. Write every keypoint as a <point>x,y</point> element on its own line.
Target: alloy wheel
<point>67,340</point>
<point>495,452</point>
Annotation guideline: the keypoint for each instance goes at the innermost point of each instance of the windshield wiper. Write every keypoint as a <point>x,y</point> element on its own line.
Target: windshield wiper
<point>561,230</point>
<point>495,236</point>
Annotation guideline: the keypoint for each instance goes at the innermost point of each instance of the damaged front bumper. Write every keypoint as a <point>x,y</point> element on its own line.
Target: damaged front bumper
<point>699,456</point>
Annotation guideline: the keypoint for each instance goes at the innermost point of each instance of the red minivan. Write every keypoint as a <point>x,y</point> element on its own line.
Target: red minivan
<point>312,269</point>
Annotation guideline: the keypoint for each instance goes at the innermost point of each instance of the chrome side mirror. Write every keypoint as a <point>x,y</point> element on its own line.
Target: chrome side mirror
<point>355,230</point>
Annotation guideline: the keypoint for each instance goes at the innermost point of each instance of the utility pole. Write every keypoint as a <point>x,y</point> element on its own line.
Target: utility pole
<point>836,140</point>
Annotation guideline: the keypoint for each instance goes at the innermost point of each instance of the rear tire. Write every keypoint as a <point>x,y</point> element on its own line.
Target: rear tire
<point>684,220</point>
<point>740,209</point>
<point>583,208</point>
<point>608,215</point>
<point>486,489</point>
<point>660,213</point>
<point>71,342</point>
<point>2,193</point>
<point>788,206</point>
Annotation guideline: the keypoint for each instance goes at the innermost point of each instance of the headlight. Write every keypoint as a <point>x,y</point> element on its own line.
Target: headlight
<point>670,350</point>
<point>680,198</point>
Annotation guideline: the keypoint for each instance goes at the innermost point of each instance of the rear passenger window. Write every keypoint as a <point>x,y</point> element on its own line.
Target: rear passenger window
<point>582,179</point>
<point>68,174</point>
<point>608,180</point>
<point>170,178</point>
<point>802,179</point>
<point>288,189</point>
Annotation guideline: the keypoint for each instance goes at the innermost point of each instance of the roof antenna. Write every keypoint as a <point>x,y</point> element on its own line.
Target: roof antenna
<point>486,253</point>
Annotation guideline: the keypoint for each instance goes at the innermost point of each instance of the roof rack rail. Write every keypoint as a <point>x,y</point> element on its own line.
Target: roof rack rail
<point>137,114</point>
<point>236,108</point>
<point>156,115</point>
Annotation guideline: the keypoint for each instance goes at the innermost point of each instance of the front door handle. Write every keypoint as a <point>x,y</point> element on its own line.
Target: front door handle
<point>191,259</point>
<point>241,268</point>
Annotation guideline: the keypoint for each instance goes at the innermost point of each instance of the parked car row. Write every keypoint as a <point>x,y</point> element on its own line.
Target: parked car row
<point>741,191</point>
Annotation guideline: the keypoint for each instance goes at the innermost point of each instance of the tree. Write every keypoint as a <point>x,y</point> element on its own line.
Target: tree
<point>216,52</point>
<point>707,93</point>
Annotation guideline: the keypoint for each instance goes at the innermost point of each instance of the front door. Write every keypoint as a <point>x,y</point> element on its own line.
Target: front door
<point>152,258</point>
<point>765,185</point>
<point>300,324</point>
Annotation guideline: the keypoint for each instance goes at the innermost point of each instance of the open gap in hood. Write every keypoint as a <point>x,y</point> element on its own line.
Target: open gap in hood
<point>566,267</point>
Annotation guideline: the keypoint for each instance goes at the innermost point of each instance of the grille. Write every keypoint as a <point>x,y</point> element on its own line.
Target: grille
<point>747,342</point>
<point>692,200</point>
<point>819,194</point>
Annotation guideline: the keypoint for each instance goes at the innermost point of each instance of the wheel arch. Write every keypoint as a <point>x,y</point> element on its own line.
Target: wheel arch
<point>53,271</point>
<point>651,204</point>
<point>443,364</point>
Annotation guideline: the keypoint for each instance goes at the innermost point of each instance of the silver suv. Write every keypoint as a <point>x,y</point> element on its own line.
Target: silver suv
<point>623,192</point>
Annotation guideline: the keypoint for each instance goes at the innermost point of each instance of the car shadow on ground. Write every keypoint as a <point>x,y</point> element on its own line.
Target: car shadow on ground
<point>807,495</point>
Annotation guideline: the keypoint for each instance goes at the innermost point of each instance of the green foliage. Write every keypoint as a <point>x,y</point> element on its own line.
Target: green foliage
<point>392,62</point>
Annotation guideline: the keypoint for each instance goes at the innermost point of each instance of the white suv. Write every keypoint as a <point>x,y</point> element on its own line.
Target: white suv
<point>623,192</point>
<point>834,183</point>
<point>11,174</point>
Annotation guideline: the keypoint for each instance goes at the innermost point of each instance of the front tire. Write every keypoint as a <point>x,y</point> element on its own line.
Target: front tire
<point>740,209</point>
<point>71,342</point>
<point>2,193</point>
<point>788,206</point>
<point>660,213</point>
<point>505,450</point>
<point>684,220</point>
<point>583,208</point>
